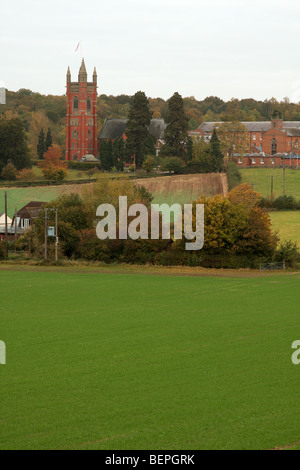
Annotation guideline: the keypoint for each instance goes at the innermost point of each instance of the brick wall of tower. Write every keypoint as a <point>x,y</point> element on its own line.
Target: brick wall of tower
<point>81,127</point>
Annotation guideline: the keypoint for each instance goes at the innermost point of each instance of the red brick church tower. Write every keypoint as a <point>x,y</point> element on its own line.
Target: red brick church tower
<point>81,130</point>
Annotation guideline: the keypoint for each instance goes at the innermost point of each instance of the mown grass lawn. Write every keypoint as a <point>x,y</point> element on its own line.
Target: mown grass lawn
<point>114,361</point>
<point>287,224</point>
<point>261,177</point>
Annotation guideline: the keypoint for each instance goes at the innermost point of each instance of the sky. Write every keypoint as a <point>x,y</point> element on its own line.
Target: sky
<point>226,48</point>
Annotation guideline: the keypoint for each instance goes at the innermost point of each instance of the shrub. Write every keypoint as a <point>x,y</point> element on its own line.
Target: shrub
<point>2,250</point>
<point>171,164</point>
<point>9,172</point>
<point>53,173</point>
<point>285,203</point>
<point>26,175</point>
<point>83,166</point>
<point>149,164</point>
<point>288,252</point>
<point>234,177</point>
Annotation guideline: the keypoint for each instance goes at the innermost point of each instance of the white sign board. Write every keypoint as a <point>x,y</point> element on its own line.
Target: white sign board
<point>2,93</point>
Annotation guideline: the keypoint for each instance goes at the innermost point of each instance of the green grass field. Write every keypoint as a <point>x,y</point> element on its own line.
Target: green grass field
<point>287,224</point>
<point>18,197</point>
<point>261,177</point>
<point>115,361</point>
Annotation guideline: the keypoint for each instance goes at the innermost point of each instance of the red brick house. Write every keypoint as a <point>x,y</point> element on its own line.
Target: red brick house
<point>271,143</point>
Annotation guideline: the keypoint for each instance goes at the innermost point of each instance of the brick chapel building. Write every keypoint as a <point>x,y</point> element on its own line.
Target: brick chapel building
<point>270,143</point>
<point>81,129</point>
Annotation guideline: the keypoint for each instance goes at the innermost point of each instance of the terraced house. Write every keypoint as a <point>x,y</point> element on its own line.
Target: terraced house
<point>271,143</point>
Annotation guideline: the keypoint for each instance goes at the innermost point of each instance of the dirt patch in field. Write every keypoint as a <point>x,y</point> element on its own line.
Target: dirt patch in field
<point>189,186</point>
<point>289,446</point>
<point>181,271</point>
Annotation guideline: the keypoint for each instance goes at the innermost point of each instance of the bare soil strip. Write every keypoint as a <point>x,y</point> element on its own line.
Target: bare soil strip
<point>181,271</point>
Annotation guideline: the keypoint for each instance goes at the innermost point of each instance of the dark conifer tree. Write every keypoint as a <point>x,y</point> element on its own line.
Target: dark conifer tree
<point>48,141</point>
<point>216,153</point>
<point>176,133</point>
<point>41,146</point>
<point>139,141</point>
<point>106,155</point>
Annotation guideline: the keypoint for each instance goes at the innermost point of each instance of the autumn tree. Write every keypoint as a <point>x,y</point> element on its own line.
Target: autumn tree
<point>53,168</point>
<point>236,229</point>
<point>233,137</point>
<point>244,193</point>
<point>26,175</point>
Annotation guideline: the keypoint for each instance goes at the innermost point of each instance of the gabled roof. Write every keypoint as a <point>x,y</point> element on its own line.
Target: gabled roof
<point>292,131</point>
<point>115,128</point>
<point>258,126</point>
<point>32,204</point>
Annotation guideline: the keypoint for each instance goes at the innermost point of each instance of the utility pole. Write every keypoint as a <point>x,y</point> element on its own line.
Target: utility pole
<point>6,241</point>
<point>284,179</point>
<point>15,230</point>
<point>272,178</point>
<point>252,195</point>
<point>46,227</point>
<point>56,235</point>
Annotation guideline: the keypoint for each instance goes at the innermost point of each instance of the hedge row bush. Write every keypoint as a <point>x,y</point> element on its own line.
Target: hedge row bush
<point>281,203</point>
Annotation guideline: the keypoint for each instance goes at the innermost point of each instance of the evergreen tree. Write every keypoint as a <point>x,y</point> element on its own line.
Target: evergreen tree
<point>176,135</point>
<point>106,155</point>
<point>41,146</point>
<point>216,153</point>
<point>13,144</point>
<point>139,141</point>
<point>118,152</point>
<point>48,141</point>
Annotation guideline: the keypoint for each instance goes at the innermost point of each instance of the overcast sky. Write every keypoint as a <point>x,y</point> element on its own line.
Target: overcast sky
<point>225,48</point>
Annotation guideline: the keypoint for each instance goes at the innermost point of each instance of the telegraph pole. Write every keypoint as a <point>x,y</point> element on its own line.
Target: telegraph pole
<point>46,222</point>
<point>15,229</point>
<point>272,178</point>
<point>56,235</point>
<point>6,236</point>
<point>284,179</point>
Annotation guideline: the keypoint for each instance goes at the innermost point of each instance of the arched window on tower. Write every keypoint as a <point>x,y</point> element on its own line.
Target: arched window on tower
<point>89,106</point>
<point>89,135</point>
<point>274,146</point>
<point>75,104</point>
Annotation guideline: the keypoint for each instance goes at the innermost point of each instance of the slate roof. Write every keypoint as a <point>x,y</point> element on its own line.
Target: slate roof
<point>259,126</point>
<point>293,131</point>
<point>115,128</point>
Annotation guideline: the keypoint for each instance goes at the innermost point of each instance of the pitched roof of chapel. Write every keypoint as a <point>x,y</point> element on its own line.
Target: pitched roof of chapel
<point>115,128</point>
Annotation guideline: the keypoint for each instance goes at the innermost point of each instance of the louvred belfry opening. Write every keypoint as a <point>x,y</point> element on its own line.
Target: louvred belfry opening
<point>81,128</point>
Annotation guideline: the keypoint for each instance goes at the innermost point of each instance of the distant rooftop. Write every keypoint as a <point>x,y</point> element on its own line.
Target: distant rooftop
<point>115,128</point>
<point>258,126</point>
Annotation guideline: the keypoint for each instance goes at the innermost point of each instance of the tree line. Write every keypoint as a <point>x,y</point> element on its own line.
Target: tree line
<point>39,111</point>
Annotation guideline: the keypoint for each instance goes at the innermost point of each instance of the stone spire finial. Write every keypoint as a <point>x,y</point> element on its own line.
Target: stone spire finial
<point>95,75</point>
<point>68,75</point>
<point>82,76</point>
